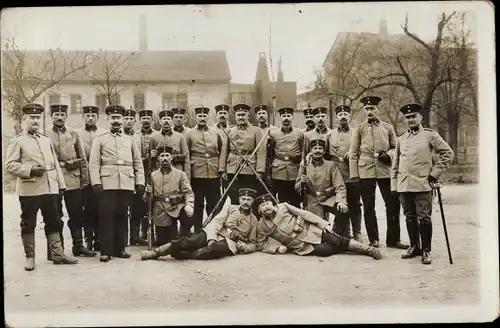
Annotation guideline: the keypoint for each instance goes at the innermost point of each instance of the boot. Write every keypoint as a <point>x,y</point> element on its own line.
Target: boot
<point>357,237</point>
<point>359,248</point>
<point>49,254</point>
<point>58,256</point>
<point>77,237</point>
<point>29,250</point>
<point>83,251</point>
<point>426,236</point>
<point>156,253</point>
<point>413,234</point>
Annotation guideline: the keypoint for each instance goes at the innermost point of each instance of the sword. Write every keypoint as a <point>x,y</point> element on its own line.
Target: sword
<point>436,189</point>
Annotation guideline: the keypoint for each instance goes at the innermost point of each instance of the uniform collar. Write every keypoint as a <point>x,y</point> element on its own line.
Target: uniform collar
<point>310,128</point>
<point>129,132</point>
<point>263,126</point>
<point>166,170</point>
<point>146,131</point>
<point>59,130</point>
<point>242,126</point>
<point>90,128</point>
<point>321,131</point>
<point>375,122</point>
<point>202,128</point>
<point>168,132</point>
<point>220,126</point>
<point>117,133</point>
<point>343,129</point>
<point>243,211</point>
<point>179,129</point>
<point>410,131</point>
<point>286,129</point>
<point>33,134</point>
<point>318,162</point>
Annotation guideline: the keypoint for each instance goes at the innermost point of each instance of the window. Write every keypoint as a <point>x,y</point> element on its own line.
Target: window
<point>54,98</point>
<point>76,103</point>
<point>139,101</point>
<point>182,100</point>
<point>168,101</point>
<point>100,101</point>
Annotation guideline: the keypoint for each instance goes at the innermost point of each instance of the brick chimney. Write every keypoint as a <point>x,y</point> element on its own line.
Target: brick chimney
<point>383,27</point>
<point>143,33</point>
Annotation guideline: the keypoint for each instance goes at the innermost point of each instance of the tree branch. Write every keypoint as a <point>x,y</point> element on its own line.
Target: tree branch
<point>413,36</point>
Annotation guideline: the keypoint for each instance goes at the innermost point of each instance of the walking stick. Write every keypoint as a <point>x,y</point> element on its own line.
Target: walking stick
<point>437,188</point>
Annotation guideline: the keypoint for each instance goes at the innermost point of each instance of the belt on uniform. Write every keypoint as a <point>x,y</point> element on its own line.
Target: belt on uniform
<point>294,159</point>
<point>117,162</point>
<point>171,199</point>
<point>49,167</point>
<point>242,152</point>
<point>203,155</point>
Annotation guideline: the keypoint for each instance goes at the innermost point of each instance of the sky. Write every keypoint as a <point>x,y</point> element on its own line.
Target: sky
<point>301,34</point>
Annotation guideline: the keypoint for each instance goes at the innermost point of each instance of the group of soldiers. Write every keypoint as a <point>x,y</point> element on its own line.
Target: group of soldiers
<point>278,184</point>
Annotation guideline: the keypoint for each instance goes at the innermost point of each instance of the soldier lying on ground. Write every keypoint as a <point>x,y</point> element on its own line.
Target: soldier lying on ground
<point>285,228</point>
<point>232,231</point>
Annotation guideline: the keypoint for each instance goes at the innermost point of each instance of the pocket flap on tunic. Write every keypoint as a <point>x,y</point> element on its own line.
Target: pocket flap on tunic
<point>361,162</point>
<point>423,172</point>
<point>105,173</point>
<point>76,173</point>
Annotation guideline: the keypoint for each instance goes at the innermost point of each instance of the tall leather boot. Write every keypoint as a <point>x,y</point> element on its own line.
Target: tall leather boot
<point>29,250</point>
<point>414,235</point>
<point>78,248</point>
<point>426,235</point>
<point>156,253</point>
<point>58,256</point>
<point>359,248</point>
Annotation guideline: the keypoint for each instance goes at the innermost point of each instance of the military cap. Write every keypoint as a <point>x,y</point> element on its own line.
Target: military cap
<point>202,110</point>
<point>342,108</point>
<point>129,112</point>
<point>58,108</point>
<point>370,100</point>
<point>32,109</point>
<point>308,111</point>
<point>220,107</point>
<point>165,112</point>
<point>286,110</point>
<point>247,192</point>
<point>319,110</point>
<point>164,149</point>
<point>178,110</point>
<point>115,109</point>
<point>411,109</point>
<point>261,107</point>
<point>90,109</point>
<point>145,112</point>
<point>263,198</point>
<point>241,108</point>
<point>317,142</point>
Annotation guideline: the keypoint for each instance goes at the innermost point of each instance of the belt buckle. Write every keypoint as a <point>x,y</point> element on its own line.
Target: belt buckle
<point>375,155</point>
<point>48,167</point>
<point>206,155</point>
<point>341,159</point>
<point>287,158</point>
<point>120,162</point>
<point>167,199</point>
<point>318,193</point>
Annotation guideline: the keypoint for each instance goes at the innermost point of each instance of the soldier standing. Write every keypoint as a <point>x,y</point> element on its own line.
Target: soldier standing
<point>128,129</point>
<point>372,145</point>
<point>178,119</point>
<point>115,172</point>
<point>246,137</point>
<point>286,145</point>
<point>221,114</point>
<point>88,133</point>
<point>262,114</point>
<point>32,159</point>
<point>173,198</point>
<point>168,137</point>
<point>412,176</point>
<point>309,120</point>
<point>72,160</point>
<point>320,130</point>
<point>142,138</point>
<point>208,164</point>
<point>338,144</point>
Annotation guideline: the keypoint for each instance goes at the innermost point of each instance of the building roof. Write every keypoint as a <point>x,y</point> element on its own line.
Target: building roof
<point>154,66</point>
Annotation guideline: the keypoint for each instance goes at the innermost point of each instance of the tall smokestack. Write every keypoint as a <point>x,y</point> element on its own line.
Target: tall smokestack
<point>143,33</point>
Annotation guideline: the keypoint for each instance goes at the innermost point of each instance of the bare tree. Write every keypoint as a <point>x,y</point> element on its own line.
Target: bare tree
<point>29,74</point>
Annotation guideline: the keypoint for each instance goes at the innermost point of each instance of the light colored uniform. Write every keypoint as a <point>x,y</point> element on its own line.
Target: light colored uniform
<point>339,142</point>
<point>179,146</point>
<point>208,153</point>
<point>88,136</point>
<point>286,153</point>
<point>246,139</point>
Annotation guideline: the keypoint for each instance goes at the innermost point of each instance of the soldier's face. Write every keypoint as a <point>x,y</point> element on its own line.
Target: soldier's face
<point>246,202</point>
<point>286,119</point>
<point>309,119</point>
<point>266,208</point>
<point>320,119</point>
<point>413,120</point>
<point>343,117</point>
<point>371,111</point>
<point>146,121</point>
<point>32,122</point>
<point>115,121</point>
<point>317,151</point>
<point>166,122</point>
<point>128,122</point>
<point>261,116</point>
<point>90,119</point>
<point>201,119</point>
<point>241,117</point>
<point>222,116</point>
<point>178,120</point>
<point>59,119</point>
<point>165,159</point>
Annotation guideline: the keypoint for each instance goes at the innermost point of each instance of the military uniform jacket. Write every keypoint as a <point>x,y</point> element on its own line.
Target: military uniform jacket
<point>115,162</point>
<point>167,184</point>
<point>179,147</point>
<point>313,135</point>
<point>367,140</point>
<point>142,139</point>
<point>292,227</point>
<point>27,150</point>
<point>88,136</point>
<point>68,147</point>
<point>338,144</point>
<point>245,139</point>
<point>207,151</point>
<point>412,162</point>
<point>321,176</point>
<point>184,130</point>
<point>229,219</point>
<point>286,153</point>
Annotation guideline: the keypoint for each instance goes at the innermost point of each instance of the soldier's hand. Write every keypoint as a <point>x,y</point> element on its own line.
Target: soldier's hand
<point>189,210</point>
<point>84,185</point>
<point>281,250</point>
<point>384,158</point>
<point>153,152</point>
<point>211,242</point>
<point>346,157</point>
<point>303,178</point>
<point>308,157</point>
<point>149,188</point>
<point>240,247</point>
<point>329,227</point>
<point>139,189</point>
<point>431,179</point>
<point>97,189</point>
<point>353,180</point>
<point>342,207</point>
<point>69,165</point>
<point>224,176</point>
<point>37,171</point>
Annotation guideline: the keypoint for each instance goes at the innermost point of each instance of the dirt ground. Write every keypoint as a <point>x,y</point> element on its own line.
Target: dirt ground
<point>254,281</point>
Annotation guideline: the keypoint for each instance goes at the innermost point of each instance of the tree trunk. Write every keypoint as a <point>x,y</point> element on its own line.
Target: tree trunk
<point>453,130</point>
<point>426,116</point>
<point>17,126</point>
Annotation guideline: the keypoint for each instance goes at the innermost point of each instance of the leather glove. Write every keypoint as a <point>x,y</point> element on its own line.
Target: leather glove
<point>37,171</point>
<point>69,165</point>
<point>329,192</point>
<point>353,180</point>
<point>432,179</point>
<point>97,189</point>
<point>139,189</point>
<point>234,236</point>
<point>384,158</point>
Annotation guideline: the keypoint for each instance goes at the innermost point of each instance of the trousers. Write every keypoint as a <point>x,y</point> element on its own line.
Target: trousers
<point>91,216</point>
<point>206,190</point>
<point>331,243</point>
<point>417,207</point>
<point>73,199</point>
<point>113,206</point>
<point>138,220</point>
<point>47,204</point>
<point>286,192</point>
<point>195,247</point>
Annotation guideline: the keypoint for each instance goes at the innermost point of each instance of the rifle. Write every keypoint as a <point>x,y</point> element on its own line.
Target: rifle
<point>149,196</point>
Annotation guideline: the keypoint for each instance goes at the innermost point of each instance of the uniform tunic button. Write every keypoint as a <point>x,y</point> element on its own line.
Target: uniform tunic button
<point>286,158</point>
<point>206,155</point>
